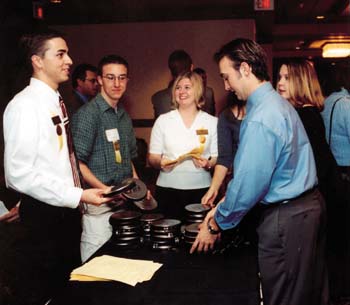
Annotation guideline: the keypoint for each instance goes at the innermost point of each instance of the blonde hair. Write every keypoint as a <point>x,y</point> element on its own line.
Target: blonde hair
<point>304,87</point>
<point>197,83</point>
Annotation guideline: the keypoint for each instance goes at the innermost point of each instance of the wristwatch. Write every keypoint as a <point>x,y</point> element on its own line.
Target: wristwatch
<point>211,229</point>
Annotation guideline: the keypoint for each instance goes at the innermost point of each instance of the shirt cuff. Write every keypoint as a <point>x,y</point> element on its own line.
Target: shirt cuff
<point>72,197</point>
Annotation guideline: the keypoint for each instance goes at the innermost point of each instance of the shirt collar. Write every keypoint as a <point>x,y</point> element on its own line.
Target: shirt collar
<point>104,106</point>
<point>84,98</point>
<point>45,89</point>
<point>258,95</point>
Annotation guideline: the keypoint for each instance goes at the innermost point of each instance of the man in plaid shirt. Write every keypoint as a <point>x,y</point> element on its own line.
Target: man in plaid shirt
<point>105,146</point>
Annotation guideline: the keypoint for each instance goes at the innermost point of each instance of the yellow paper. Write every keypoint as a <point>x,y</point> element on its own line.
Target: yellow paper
<point>128,271</point>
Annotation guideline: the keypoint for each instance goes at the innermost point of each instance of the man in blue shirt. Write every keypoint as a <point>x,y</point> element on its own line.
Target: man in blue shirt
<point>274,167</point>
<point>85,86</point>
<point>336,113</point>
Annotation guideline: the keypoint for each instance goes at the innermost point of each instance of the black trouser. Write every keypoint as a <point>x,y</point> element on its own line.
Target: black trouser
<point>291,252</point>
<point>52,246</point>
<point>172,202</point>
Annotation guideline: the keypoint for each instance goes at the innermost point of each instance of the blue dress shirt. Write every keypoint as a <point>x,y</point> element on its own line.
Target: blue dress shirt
<point>340,144</point>
<point>274,161</point>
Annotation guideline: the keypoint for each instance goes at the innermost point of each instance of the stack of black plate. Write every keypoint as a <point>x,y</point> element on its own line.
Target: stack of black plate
<point>165,234</point>
<point>190,234</point>
<point>195,213</point>
<point>127,230</point>
<point>146,221</point>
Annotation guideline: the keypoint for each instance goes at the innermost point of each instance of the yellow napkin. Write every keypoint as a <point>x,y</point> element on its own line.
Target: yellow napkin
<point>128,271</point>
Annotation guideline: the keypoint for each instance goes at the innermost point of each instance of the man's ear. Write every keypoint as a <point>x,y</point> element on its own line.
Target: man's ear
<point>245,69</point>
<point>80,82</point>
<point>36,61</point>
<point>99,79</point>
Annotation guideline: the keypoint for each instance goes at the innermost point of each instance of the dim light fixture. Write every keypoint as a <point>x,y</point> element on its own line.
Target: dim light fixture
<point>336,49</point>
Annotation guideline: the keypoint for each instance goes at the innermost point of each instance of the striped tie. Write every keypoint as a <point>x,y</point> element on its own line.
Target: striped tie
<point>72,157</point>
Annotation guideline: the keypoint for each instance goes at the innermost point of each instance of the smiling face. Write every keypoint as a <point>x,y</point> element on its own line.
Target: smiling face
<point>113,82</point>
<point>184,93</point>
<point>233,80</point>
<point>53,67</point>
<point>283,82</point>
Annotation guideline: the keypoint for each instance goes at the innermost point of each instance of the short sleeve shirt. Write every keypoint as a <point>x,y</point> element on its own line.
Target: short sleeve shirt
<point>90,125</point>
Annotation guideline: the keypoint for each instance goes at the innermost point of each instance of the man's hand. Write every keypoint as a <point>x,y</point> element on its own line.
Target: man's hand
<point>205,240</point>
<point>11,216</point>
<point>95,197</point>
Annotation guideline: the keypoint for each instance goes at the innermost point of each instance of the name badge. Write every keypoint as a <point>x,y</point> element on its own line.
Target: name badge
<point>201,132</point>
<point>112,135</point>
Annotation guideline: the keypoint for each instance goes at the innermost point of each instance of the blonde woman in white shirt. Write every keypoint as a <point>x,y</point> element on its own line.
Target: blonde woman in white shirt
<point>184,148</point>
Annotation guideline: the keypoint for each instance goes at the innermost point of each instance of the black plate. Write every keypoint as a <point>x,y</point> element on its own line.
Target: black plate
<point>125,185</point>
<point>192,229</point>
<point>146,204</point>
<point>196,208</point>
<point>137,192</point>
<point>166,225</point>
<point>125,218</point>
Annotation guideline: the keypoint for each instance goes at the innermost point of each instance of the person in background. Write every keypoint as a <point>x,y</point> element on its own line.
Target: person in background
<point>85,86</point>
<point>209,105</point>
<point>338,125</point>
<point>275,168</point>
<point>40,165</point>
<point>229,123</point>
<point>185,130</point>
<point>105,145</point>
<point>336,117</point>
<point>298,83</point>
<point>179,61</point>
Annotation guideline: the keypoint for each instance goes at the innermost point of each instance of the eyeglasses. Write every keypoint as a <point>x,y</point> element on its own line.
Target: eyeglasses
<point>113,78</point>
<point>91,80</point>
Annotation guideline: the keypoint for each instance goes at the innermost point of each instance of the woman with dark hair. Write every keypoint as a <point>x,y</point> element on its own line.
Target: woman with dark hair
<point>184,147</point>
<point>228,137</point>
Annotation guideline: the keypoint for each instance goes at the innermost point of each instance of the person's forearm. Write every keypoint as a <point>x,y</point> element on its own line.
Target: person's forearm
<point>219,176</point>
<point>155,161</point>
<point>90,178</point>
<point>134,173</point>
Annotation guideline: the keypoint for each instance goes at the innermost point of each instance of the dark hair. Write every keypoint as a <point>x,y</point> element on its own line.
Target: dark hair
<point>245,50</point>
<point>233,101</point>
<point>111,59</point>
<point>179,61</point>
<point>342,75</point>
<point>80,73</point>
<point>199,71</point>
<point>35,44</point>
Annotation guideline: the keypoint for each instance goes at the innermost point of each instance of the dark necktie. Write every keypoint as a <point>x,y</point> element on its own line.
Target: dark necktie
<point>72,157</point>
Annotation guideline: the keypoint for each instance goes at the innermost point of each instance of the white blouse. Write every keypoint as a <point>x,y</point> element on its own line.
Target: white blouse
<point>171,139</point>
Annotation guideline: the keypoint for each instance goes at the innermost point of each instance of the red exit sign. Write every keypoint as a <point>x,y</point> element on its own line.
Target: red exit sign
<point>263,5</point>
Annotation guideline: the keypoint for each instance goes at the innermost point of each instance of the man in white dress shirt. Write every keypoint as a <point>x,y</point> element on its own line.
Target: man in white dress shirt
<point>37,165</point>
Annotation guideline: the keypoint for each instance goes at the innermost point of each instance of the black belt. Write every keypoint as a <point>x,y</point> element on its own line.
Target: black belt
<point>273,204</point>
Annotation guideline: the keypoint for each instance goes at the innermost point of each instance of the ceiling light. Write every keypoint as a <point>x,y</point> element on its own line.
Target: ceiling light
<point>336,49</point>
<point>320,17</point>
<point>55,1</point>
